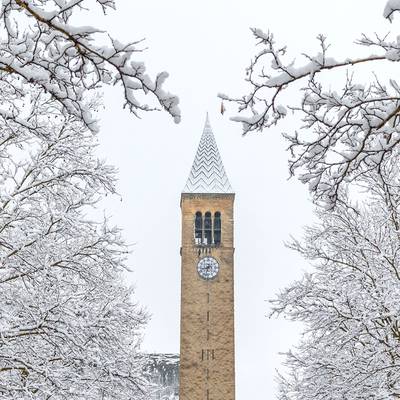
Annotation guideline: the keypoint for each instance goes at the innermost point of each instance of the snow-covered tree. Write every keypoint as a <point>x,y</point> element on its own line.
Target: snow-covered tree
<point>350,303</point>
<point>68,327</point>
<point>346,130</point>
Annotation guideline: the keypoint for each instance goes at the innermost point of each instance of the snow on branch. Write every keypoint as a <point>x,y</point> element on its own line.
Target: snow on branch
<point>391,7</point>
<point>40,46</point>
<point>345,131</point>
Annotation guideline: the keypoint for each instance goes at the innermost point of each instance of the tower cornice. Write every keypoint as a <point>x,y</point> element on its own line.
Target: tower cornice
<point>200,196</point>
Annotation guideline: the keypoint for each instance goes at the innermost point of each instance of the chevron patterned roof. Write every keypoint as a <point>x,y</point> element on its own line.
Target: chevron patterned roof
<point>208,173</point>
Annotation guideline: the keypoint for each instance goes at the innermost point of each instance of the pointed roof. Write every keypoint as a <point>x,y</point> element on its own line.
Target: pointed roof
<point>208,173</point>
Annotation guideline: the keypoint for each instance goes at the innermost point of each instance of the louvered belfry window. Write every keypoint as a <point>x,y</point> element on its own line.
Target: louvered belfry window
<point>207,228</point>
<point>217,228</point>
<point>198,228</point>
<point>206,231</point>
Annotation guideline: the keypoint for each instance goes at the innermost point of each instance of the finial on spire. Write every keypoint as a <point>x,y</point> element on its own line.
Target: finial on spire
<point>207,120</point>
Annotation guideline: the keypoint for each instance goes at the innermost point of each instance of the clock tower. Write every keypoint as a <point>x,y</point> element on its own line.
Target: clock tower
<point>207,350</point>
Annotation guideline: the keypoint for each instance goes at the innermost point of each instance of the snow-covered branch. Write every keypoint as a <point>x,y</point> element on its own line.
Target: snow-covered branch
<point>346,131</point>
<point>40,46</point>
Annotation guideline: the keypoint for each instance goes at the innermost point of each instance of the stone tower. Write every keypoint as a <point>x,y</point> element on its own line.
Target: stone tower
<point>207,351</point>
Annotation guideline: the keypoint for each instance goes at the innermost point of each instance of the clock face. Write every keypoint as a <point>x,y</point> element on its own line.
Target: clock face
<point>208,268</point>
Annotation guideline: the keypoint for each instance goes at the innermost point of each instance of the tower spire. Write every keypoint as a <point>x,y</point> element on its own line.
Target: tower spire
<point>208,173</point>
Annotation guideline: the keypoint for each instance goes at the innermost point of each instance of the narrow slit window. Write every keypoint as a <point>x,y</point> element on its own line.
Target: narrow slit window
<point>198,228</point>
<point>207,228</point>
<point>217,228</point>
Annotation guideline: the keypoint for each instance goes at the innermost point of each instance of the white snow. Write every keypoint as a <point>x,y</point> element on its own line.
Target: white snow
<point>391,7</point>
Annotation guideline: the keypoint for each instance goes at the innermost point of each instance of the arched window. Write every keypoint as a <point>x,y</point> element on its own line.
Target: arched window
<point>217,228</point>
<point>207,228</point>
<point>198,228</point>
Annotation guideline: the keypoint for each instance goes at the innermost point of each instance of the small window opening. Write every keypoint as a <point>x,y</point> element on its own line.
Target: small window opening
<point>207,228</point>
<point>198,228</point>
<point>217,228</point>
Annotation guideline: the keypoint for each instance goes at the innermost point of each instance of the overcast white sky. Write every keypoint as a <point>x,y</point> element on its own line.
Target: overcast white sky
<point>205,47</point>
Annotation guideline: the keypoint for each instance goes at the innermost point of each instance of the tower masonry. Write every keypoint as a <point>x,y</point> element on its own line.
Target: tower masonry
<point>207,351</point>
